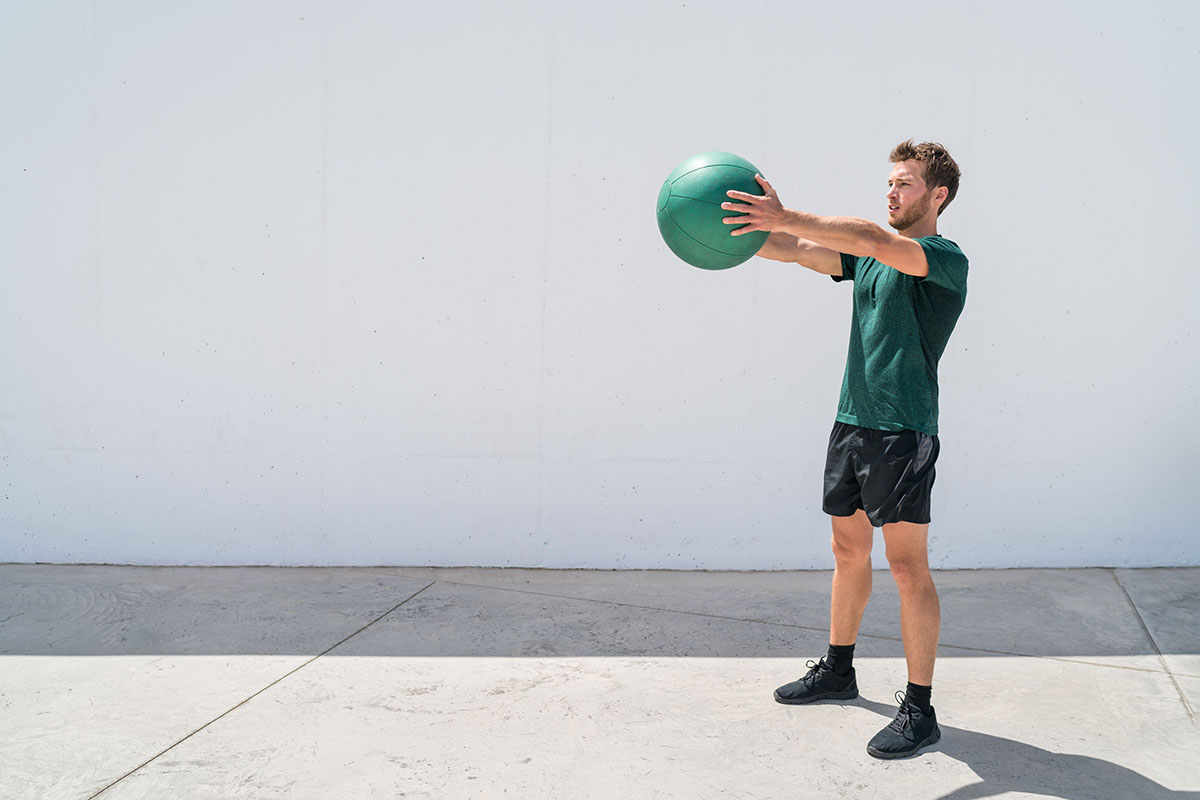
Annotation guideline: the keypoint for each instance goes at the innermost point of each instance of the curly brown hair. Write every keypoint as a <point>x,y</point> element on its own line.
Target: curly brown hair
<point>940,169</point>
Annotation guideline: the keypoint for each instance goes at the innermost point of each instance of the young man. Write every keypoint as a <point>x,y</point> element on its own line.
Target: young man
<point>909,289</point>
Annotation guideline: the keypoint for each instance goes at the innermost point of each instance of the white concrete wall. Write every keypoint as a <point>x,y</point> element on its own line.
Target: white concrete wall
<point>380,283</point>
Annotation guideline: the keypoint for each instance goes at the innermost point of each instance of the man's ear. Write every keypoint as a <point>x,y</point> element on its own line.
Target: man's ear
<point>940,194</point>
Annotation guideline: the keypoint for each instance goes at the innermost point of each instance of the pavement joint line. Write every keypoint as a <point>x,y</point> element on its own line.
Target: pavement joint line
<point>1161,659</point>
<point>818,630</point>
<point>273,683</point>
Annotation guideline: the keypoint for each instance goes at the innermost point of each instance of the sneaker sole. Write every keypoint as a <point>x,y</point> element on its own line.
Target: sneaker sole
<point>847,695</point>
<point>930,739</point>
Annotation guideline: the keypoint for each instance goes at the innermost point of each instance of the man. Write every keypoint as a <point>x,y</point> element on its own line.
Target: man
<point>909,289</point>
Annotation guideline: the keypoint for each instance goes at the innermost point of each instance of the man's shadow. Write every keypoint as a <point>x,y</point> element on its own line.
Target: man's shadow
<point>1005,765</point>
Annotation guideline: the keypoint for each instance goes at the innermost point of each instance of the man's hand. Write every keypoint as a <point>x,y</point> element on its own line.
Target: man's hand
<point>758,213</point>
<point>830,236</point>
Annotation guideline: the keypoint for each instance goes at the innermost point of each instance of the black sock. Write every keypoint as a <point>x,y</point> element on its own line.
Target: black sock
<point>918,696</point>
<point>840,658</point>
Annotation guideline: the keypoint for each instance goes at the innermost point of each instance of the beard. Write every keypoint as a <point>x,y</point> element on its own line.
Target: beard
<point>915,212</point>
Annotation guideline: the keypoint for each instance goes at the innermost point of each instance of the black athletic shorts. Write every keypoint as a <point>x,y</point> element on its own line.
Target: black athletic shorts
<point>888,474</point>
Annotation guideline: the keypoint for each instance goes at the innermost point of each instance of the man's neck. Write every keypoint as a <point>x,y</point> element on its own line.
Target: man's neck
<point>921,228</point>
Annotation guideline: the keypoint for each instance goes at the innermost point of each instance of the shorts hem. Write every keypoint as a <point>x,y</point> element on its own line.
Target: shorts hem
<point>874,522</point>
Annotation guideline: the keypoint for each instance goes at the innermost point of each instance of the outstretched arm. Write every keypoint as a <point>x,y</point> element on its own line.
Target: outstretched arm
<point>858,237</point>
<point>782,246</point>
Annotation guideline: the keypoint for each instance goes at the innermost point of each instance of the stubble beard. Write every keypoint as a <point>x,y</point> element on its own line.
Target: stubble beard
<point>914,214</point>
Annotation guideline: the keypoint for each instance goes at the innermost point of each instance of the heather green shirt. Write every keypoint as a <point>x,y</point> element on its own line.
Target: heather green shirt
<point>898,331</point>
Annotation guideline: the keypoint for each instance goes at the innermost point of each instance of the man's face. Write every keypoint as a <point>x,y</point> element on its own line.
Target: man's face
<point>909,199</point>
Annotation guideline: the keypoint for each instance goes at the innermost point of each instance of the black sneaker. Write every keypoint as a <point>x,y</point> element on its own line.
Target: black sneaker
<point>820,683</point>
<point>904,736</point>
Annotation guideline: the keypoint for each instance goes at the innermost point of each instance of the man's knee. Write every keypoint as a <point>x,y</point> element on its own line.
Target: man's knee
<point>852,538</point>
<point>849,550</point>
<point>909,570</point>
<point>908,553</point>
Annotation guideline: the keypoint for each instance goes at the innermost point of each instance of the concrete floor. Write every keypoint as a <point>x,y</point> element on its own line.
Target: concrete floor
<point>136,682</point>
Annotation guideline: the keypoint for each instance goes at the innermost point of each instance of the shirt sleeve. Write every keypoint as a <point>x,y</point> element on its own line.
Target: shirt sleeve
<point>947,264</point>
<point>849,262</point>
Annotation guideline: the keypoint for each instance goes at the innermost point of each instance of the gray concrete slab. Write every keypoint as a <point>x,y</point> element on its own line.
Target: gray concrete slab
<point>468,620</point>
<point>1167,601</point>
<point>1189,687</point>
<point>1039,612</point>
<point>92,684</point>
<point>112,610</point>
<point>621,727</point>
<point>374,683</point>
<point>71,725</point>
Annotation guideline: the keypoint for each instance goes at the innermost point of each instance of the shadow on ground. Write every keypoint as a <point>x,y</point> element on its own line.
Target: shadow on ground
<point>1006,765</point>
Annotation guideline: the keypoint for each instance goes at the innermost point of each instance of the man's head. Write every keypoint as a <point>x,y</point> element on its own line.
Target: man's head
<point>924,177</point>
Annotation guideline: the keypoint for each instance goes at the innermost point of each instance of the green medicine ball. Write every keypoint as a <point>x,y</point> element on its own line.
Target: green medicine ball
<point>690,213</point>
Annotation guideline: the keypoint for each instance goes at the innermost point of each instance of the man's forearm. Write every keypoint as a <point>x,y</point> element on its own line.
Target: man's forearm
<point>782,246</point>
<point>857,237</point>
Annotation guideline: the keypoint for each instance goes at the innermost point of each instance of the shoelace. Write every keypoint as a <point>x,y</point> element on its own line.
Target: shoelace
<point>904,717</point>
<point>814,668</point>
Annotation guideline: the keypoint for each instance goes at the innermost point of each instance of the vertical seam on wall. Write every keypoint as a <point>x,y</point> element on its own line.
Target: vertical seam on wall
<point>322,365</point>
<point>541,406</point>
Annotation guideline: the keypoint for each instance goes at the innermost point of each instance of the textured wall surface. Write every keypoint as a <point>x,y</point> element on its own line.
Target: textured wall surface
<point>380,283</point>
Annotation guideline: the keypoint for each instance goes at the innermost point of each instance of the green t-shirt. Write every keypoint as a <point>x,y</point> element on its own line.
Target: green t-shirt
<point>898,331</point>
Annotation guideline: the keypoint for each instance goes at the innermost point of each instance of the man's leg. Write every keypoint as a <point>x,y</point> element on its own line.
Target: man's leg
<point>915,725</point>
<point>852,537</point>
<point>920,614</point>
<point>832,678</point>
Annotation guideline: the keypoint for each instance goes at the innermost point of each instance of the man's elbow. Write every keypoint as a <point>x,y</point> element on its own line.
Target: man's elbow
<point>900,253</point>
<point>915,264</point>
